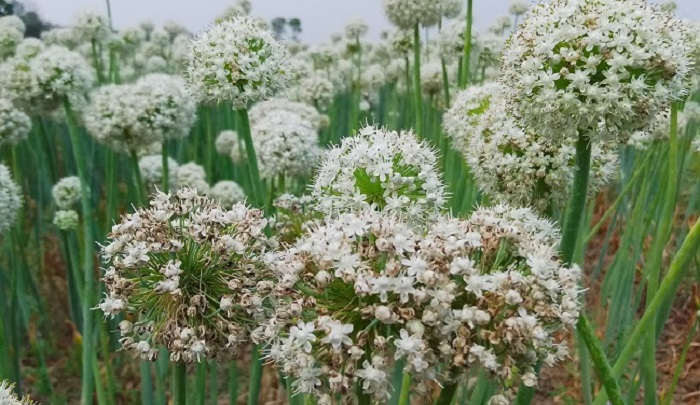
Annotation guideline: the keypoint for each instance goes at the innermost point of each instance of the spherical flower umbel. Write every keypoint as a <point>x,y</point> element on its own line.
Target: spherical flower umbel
<point>10,199</point>
<point>364,289</point>
<point>151,167</point>
<point>58,73</point>
<point>10,37</point>
<point>14,124</point>
<point>286,144</point>
<point>193,175</point>
<point>66,219</point>
<point>225,141</point>
<point>91,26</point>
<point>462,120</point>
<point>191,272</point>
<point>170,111</point>
<point>406,14</point>
<point>260,111</point>
<point>238,60</point>
<point>66,192</point>
<point>381,170</point>
<point>227,193</point>
<point>599,68</point>
<point>513,164</point>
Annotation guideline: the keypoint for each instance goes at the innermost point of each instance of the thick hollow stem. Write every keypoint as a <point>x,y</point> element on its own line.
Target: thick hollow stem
<point>180,384</point>
<point>256,372</point>
<point>165,178</point>
<point>254,172</point>
<point>466,57</point>
<point>417,96</point>
<point>88,264</point>
<point>404,397</point>
<point>664,230</point>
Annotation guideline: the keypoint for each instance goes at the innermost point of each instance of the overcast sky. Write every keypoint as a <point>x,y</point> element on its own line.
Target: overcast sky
<point>319,18</point>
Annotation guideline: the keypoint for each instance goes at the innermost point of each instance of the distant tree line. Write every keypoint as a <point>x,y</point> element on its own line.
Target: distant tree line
<point>281,24</point>
<point>33,21</point>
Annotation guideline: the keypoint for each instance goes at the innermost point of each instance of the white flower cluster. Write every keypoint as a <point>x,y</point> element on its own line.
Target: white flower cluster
<point>238,60</point>
<point>259,112</point>
<point>603,68</point>
<point>14,124</point>
<point>362,290</point>
<point>513,164</point>
<point>66,192</point>
<point>90,26</point>
<point>13,21</point>
<point>406,14</point>
<point>462,120</point>
<point>316,90</point>
<point>129,117</point>
<point>151,167</point>
<point>66,219</point>
<point>382,170</point>
<point>660,127</point>
<point>431,80</point>
<point>193,176</point>
<point>170,111</point>
<point>58,73</point>
<point>518,7</point>
<point>355,29</point>
<point>227,193</point>
<point>29,48</point>
<point>191,272</point>
<point>451,8</point>
<point>7,392</point>
<point>10,37</point>
<point>285,144</point>
<point>10,199</point>
<point>226,141</point>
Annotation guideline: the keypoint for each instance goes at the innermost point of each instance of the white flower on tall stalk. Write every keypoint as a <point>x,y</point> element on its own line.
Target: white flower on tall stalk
<point>260,111</point>
<point>194,176</point>
<point>170,111</point>
<point>406,14</point>
<point>10,199</point>
<point>227,193</point>
<point>64,37</point>
<point>316,90</point>
<point>431,80</point>
<point>382,170</point>
<point>600,68</point>
<point>286,145</point>
<point>191,272</point>
<point>129,117</point>
<point>518,7</point>
<point>513,164</point>
<point>225,141</point>
<point>66,219</point>
<point>58,74</point>
<point>151,167</point>
<point>9,397</point>
<point>14,124</point>
<point>355,29</point>
<point>451,8</point>
<point>90,26</point>
<point>66,192</point>
<point>238,60</point>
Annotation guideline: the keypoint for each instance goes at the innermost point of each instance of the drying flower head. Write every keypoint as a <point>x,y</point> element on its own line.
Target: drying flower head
<point>8,395</point>
<point>600,68</point>
<point>238,60</point>
<point>381,170</point>
<point>191,272</point>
